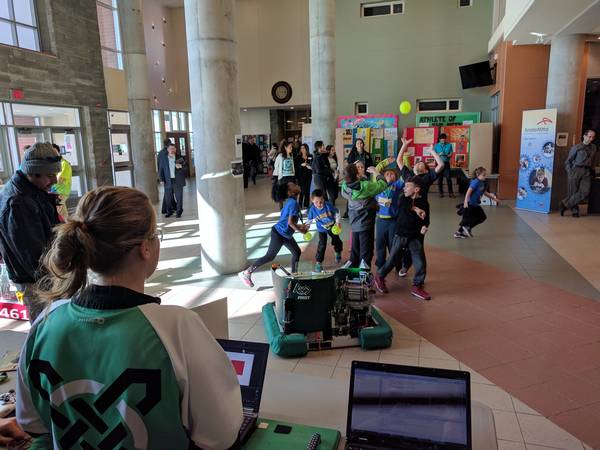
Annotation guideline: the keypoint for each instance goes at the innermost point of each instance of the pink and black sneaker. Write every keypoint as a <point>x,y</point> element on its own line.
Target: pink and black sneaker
<point>419,292</point>
<point>246,278</point>
<point>380,284</point>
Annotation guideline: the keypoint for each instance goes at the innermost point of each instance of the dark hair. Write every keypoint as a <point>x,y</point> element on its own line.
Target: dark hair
<point>479,171</point>
<point>171,144</point>
<point>354,149</point>
<point>442,136</point>
<point>350,173</point>
<point>306,147</point>
<point>57,148</point>
<point>282,145</point>
<point>417,181</point>
<point>588,130</point>
<point>316,193</point>
<point>329,147</point>
<point>318,145</point>
<point>167,142</point>
<point>280,191</point>
<point>108,223</point>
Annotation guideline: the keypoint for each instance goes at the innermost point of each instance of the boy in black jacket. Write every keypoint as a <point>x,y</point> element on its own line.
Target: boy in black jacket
<point>412,221</point>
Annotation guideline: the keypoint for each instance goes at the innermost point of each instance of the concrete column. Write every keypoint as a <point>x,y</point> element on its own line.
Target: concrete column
<point>567,63</point>
<point>138,92</point>
<point>212,58</point>
<point>322,70</point>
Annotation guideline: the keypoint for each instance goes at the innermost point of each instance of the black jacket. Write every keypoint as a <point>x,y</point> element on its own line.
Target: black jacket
<point>27,216</point>
<point>365,157</point>
<point>164,174</point>
<point>408,224</point>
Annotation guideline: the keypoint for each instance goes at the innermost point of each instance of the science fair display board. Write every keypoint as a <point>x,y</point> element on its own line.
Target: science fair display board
<point>378,131</point>
<point>425,138</point>
<point>536,162</point>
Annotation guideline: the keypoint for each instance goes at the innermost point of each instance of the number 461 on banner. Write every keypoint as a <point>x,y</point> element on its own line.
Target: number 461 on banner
<point>15,311</point>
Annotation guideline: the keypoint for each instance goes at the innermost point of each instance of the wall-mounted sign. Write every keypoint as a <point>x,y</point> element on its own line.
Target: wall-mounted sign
<point>443,119</point>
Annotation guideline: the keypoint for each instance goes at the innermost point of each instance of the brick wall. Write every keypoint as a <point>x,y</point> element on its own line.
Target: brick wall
<point>68,72</point>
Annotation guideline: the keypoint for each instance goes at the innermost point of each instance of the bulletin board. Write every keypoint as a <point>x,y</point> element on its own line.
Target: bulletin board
<point>460,138</point>
<point>423,138</point>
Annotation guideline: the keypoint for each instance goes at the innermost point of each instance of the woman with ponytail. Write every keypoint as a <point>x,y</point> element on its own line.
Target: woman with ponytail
<point>111,354</point>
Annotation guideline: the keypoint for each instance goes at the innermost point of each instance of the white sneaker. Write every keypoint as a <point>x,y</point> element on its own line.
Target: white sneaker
<point>363,265</point>
<point>347,265</point>
<point>467,231</point>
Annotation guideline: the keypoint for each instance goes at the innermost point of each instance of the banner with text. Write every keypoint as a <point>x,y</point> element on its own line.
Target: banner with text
<point>538,134</point>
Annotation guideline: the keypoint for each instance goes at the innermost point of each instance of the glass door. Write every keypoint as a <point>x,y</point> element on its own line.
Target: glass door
<point>69,141</point>
<point>26,137</point>
<point>181,142</point>
<point>121,156</point>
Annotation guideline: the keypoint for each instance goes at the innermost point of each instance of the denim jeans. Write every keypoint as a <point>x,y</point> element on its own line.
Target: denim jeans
<point>413,246</point>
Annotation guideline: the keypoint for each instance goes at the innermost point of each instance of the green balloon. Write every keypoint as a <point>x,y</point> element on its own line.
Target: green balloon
<point>405,107</point>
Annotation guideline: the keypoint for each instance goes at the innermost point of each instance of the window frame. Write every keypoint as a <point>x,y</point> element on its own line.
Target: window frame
<point>14,24</point>
<point>118,51</point>
<point>356,107</point>
<point>447,100</point>
<point>390,3</point>
<point>464,6</point>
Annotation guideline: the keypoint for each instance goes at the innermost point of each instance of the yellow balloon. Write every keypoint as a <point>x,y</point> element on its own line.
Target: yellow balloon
<point>405,107</point>
<point>307,236</point>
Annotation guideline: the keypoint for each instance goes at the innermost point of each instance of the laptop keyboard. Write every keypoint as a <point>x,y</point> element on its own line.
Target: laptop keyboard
<point>247,427</point>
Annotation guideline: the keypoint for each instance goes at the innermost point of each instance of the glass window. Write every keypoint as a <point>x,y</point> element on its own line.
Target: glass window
<point>68,146</point>
<point>6,33</point>
<point>123,178</point>
<point>24,12</point>
<point>76,188</point>
<point>157,142</point>
<point>49,116</point>
<point>156,120</point>
<point>182,121</point>
<point>167,115</point>
<point>18,26</point>
<point>110,36</point>
<point>174,121</point>
<point>190,122</point>
<point>120,148</point>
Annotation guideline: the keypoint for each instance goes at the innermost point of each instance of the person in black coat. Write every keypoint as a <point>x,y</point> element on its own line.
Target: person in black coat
<point>304,174</point>
<point>171,171</point>
<point>163,152</point>
<point>358,153</point>
<point>322,173</point>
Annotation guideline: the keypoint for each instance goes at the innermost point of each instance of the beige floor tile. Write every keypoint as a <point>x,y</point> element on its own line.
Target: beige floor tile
<point>315,370</point>
<point>587,447</point>
<point>439,363</point>
<point>507,426</point>
<point>390,358</point>
<point>281,364</point>
<point>492,396</point>
<point>540,431</point>
<point>356,355</point>
<point>522,408</point>
<point>341,373</point>
<point>541,447</point>
<point>246,319</point>
<point>509,445</point>
<point>404,332</point>
<point>405,347</point>
<point>256,334</point>
<point>238,330</point>
<point>428,350</point>
<point>324,357</point>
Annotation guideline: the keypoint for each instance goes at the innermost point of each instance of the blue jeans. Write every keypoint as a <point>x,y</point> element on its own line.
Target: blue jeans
<point>384,236</point>
<point>413,246</point>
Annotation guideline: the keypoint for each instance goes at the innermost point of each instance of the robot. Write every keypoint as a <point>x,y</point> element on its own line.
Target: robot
<point>323,311</point>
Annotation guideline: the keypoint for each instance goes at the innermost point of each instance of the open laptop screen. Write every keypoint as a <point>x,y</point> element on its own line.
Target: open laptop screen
<point>405,407</point>
<point>249,361</point>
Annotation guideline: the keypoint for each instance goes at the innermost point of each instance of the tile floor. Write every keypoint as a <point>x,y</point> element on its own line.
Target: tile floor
<point>498,311</point>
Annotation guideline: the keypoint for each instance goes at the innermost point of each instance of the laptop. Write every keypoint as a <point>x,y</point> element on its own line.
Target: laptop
<point>249,360</point>
<point>394,407</point>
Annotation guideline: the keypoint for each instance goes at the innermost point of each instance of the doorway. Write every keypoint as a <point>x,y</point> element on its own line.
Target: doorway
<point>181,141</point>
<point>121,157</point>
<point>591,108</point>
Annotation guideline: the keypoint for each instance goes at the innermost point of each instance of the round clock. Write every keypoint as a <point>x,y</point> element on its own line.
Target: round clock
<point>281,92</point>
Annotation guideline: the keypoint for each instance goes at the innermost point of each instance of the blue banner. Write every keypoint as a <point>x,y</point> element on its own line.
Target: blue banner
<point>538,134</point>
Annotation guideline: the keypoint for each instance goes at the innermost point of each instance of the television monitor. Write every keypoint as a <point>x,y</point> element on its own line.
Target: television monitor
<point>476,75</point>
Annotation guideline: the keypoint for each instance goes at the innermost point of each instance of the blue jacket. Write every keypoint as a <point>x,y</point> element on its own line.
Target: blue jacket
<point>164,174</point>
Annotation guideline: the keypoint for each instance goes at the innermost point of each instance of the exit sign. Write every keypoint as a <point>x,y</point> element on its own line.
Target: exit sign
<point>17,94</point>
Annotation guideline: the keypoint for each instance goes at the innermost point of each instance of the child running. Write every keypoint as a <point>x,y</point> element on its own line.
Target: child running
<point>362,208</point>
<point>411,223</point>
<point>326,215</point>
<point>473,213</point>
<point>282,233</point>
<point>387,202</point>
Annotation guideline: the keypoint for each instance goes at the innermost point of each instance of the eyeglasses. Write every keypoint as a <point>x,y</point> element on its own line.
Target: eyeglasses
<point>158,234</point>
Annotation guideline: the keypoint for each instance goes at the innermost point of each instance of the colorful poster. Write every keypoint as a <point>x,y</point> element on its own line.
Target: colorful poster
<point>369,121</point>
<point>444,119</point>
<point>365,135</point>
<point>459,137</point>
<point>424,135</point>
<point>538,135</point>
<point>422,139</point>
<point>390,135</point>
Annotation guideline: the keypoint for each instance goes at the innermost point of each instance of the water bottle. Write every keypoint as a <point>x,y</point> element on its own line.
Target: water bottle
<point>5,284</point>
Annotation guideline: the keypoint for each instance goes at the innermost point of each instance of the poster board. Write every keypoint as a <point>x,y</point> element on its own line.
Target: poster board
<point>368,121</point>
<point>481,145</point>
<point>459,137</point>
<point>423,138</point>
<point>536,161</point>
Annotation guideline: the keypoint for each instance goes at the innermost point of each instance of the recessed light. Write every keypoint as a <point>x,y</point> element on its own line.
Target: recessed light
<point>245,109</point>
<point>291,107</point>
<point>534,33</point>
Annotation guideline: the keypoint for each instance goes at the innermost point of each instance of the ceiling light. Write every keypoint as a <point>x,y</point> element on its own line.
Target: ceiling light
<point>245,109</point>
<point>291,107</point>
<point>539,36</point>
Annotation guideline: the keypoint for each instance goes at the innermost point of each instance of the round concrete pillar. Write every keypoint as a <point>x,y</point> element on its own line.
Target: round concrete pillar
<point>212,57</point>
<point>322,69</point>
<point>563,92</point>
<point>138,93</point>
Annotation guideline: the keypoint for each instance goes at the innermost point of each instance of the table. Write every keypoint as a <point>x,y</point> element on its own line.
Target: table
<point>286,397</point>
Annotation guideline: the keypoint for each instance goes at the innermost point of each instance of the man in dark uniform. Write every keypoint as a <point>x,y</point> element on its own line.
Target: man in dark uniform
<point>580,166</point>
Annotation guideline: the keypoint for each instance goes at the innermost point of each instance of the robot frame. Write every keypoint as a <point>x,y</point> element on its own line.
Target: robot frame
<point>323,311</point>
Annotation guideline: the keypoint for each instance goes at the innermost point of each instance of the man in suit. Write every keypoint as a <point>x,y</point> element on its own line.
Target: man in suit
<point>163,152</point>
<point>171,170</point>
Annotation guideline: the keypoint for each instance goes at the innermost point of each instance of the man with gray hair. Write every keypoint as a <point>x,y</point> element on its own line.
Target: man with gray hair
<point>27,215</point>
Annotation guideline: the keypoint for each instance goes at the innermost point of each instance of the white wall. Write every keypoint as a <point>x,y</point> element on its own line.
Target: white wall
<point>273,45</point>
<point>255,121</point>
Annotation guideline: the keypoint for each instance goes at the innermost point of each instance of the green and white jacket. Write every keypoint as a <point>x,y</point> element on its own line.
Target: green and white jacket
<point>111,368</point>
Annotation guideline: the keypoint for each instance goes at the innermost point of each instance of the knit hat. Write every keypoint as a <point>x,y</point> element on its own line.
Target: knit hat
<point>41,158</point>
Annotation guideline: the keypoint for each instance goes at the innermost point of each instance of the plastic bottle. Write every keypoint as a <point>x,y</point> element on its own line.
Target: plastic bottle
<point>5,284</point>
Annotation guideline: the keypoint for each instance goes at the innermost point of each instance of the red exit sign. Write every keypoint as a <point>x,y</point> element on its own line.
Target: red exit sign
<point>17,94</point>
